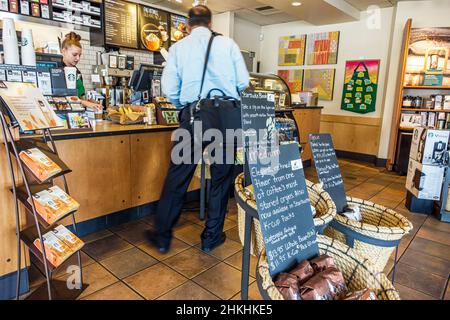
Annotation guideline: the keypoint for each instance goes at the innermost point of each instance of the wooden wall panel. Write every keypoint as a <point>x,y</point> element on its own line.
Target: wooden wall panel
<point>101,180</point>
<point>308,121</point>
<point>150,157</point>
<point>8,238</point>
<point>353,134</point>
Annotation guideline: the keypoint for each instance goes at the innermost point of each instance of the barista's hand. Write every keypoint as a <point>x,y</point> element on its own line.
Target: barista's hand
<point>93,105</point>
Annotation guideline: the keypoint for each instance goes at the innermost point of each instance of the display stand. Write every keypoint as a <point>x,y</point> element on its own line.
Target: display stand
<point>444,215</point>
<point>24,186</point>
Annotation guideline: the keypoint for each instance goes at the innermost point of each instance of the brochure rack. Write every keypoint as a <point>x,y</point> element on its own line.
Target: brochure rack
<point>24,186</point>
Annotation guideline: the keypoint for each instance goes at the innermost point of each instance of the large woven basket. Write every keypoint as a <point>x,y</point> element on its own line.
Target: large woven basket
<point>358,272</point>
<point>321,200</point>
<point>379,223</point>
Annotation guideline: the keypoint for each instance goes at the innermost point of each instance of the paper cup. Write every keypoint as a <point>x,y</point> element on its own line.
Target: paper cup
<point>27,51</point>
<point>71,77</point>
<point>10,45</point>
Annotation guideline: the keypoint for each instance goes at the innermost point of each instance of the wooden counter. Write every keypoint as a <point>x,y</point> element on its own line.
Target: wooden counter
<point>114,168</point>
<point>308,121</point>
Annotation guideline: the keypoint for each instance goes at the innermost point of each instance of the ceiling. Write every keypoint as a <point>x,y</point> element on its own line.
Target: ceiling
<point>316,12</point>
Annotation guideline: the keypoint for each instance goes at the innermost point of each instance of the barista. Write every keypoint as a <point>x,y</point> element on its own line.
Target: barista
<point>71,51</point>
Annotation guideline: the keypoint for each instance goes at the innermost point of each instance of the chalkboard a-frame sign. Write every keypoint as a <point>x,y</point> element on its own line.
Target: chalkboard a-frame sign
<point>327,168</point>
<point>279,185</point>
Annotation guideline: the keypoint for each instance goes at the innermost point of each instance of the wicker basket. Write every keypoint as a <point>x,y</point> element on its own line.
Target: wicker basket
<point>358,272</point>
<point>378,223</point>
<point>321,200</point>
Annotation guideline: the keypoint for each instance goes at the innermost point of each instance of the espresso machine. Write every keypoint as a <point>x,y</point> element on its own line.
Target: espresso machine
<point>111,76</point>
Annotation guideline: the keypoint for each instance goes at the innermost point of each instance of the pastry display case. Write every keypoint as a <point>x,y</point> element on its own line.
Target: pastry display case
<point>288,131</point>
<point>272,83</point>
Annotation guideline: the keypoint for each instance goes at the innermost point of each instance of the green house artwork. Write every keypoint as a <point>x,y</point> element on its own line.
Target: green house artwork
<point>360,86</point>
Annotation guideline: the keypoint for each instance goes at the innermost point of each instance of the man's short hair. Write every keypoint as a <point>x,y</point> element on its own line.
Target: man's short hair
<point>200,16</point>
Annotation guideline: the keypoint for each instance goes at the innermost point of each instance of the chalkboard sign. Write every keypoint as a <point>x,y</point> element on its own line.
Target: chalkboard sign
<point>284,209</point>
<point>327,168</point>
<point>279,184</point>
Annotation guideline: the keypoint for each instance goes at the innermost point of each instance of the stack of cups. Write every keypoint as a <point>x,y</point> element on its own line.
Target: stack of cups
<point>28,54</point>
<point>10,45</point>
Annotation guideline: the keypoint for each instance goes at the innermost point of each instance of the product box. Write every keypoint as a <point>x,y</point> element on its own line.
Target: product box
<point>428,145</point>
<point>431,120</point>
<point>424,181</point>
<point>45,11</point>
<point>30,77</point>
<point>38,163</point>
<point>35,10</point>
<point>4,5</point>
<point>14,6</point>
<point>56,250</point>
<point>14,75</point>
<point>24,7</point>
<point>44,83</point>
<point>69,238</point>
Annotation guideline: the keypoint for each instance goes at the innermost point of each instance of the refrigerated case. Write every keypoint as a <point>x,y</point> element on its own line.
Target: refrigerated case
<point>272,83</point>
<point>288,131</point>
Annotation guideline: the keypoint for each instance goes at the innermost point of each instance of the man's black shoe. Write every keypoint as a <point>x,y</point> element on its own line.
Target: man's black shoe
<point>155,242</point>
<point>211,247</point>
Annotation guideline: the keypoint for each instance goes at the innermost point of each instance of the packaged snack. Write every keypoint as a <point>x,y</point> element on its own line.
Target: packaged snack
<point>303,271</point>
<point>326,285</point>
<point>71,240</point>
<point>322,262</point>
<point>287,284</point>
<point>56,251</point>
<point>365,294</point>
<point>68,201</point>
<point>352,212</point>
<point>41,165</point>
<point>49,207</point>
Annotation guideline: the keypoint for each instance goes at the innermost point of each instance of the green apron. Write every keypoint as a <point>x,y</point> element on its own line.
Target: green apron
<point>80,87</point>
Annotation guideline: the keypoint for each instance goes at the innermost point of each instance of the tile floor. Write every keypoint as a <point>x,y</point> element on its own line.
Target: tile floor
<point>120,264</point>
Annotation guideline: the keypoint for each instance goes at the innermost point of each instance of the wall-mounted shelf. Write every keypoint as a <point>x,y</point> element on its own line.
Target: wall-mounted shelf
<point>55,5</point>
<point>424,110</point>
<point>428,87</point>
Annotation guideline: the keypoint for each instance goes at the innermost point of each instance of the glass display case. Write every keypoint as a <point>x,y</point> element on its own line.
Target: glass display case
<point>285,123</point>
<point>272,83</point>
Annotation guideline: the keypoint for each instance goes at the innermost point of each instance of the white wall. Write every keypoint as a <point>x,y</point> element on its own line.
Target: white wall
<point>246,35</point>
<point>424,14</point>
<point>224,23</point>
<point>358,40</point>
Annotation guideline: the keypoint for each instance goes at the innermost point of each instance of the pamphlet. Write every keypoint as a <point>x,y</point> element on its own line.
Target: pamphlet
<point>71,240</point>
<point>28,106</point>
<point>41,165</point>
<point>56,250</point>
<point>53,204</point>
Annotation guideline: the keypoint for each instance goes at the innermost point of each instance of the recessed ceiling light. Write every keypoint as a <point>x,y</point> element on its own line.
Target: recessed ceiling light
<point>296,4</point>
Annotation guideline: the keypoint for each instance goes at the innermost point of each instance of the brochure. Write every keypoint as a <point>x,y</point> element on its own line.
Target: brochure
<point>41,165</point>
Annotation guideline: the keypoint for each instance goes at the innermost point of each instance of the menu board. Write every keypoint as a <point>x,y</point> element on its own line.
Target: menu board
<point>28,106</point>
<point>328,169</point>
<point>153,29</point>
<point>178,27</point>
<point>121,23</point>
<point>280,188</point>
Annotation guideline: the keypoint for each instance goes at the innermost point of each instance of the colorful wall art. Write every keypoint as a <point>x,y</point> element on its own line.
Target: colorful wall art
<point>320,80</point>
<point>322,48</point>
<point>291,51</point>
<point>293,78</point>
<point>360,86</point>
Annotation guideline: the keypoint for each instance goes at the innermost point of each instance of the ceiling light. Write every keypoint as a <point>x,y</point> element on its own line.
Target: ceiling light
<point>296,4</point>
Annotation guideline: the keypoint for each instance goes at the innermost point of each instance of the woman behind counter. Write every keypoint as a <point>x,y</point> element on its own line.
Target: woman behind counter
<point>71,50</point>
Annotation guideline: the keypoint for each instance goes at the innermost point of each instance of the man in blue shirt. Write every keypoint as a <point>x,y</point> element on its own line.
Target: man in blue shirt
<point>181,82</point>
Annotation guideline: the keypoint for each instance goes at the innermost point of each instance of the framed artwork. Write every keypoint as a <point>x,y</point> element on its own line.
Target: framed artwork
<point>291,51</point>
<point>360,86</point>
<point>293,78</point>
<point>320,80</point>
<point>322,48</point>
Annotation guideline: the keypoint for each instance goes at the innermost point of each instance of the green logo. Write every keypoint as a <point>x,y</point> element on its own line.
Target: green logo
<point>71,77</point>
<point>24,42</point>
